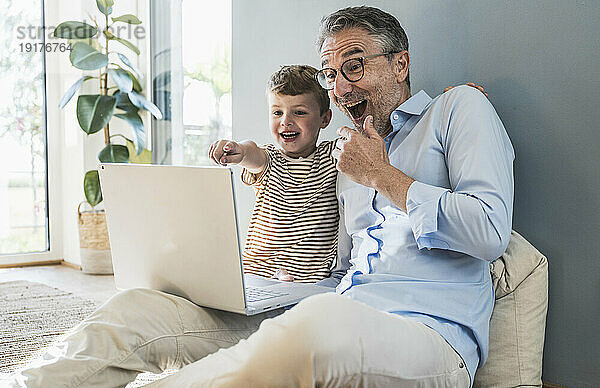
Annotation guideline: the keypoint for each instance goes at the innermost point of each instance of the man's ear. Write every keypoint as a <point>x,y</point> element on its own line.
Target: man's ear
<point>400,65</point>
<point>325,119</point>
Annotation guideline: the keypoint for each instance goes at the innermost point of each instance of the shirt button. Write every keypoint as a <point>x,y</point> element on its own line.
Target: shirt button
<point>461,365</point>
<point>395,117</point>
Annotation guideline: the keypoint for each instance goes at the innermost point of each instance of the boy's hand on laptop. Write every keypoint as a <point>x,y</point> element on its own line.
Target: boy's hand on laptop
<point>226,152</point>
<point>283,275</point>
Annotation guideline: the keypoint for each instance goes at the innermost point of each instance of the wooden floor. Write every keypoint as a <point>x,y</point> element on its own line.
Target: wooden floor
<point>95,287</point>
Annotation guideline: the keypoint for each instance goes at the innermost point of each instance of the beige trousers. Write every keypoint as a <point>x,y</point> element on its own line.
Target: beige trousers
<point>326,341</point>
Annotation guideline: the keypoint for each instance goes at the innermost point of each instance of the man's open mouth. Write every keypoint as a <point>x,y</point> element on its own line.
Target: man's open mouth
<point>357,109</point>
<point>289,135</point>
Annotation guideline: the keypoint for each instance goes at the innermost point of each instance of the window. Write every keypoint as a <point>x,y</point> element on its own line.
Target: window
<point>191,78</point>
<point>23,150</point>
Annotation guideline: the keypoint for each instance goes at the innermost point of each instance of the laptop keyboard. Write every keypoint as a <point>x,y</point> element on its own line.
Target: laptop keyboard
<point>255,294</point>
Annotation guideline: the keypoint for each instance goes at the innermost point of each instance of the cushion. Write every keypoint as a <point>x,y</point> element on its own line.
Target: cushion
<point>518,322</point>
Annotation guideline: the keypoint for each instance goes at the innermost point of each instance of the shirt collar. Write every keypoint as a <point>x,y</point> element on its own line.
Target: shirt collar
<point>414,106</point>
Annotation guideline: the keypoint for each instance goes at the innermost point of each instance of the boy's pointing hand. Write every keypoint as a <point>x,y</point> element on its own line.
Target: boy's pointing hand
<point>226,152</point>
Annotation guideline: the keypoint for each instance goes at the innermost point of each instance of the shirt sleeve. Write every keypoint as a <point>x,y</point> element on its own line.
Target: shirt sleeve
<point>344,248</point>
<point>332,147</point>
<point>252,179</point>
<point>474,215</point>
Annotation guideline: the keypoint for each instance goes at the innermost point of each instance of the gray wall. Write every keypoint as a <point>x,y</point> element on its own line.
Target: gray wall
<point>540,62</point>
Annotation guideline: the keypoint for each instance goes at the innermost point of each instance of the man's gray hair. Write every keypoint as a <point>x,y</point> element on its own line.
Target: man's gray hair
<point>382,26</point>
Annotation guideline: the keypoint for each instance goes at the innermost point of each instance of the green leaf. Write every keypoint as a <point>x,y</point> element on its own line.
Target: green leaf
<point>128,18</point>
<point>145,157</point>
<point>91,188</point>
<point>136,84</point>
<point>75,30</point>
<point>124,42</point>
<point>162,99</point>
<point>121,79</point>
<point>123,102</point>
<point>128,44</point>
<point>128,63</point>
<point>72,90</point>
<point>105,6</point>
<point>114,153</point>
<point>85,57</point>
<point>94,112</point>
<point>141,102</point>
<point>139,132</point>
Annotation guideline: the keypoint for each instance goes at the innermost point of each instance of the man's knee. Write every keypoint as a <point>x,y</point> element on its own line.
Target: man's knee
<point>299,345</point>
<point>324,310</point>
<point>134,308</point>
<point>318,307</point>
<point>314,328</point>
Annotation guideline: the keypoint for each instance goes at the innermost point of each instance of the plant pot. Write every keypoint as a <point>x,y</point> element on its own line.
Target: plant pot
<point>93,242</point>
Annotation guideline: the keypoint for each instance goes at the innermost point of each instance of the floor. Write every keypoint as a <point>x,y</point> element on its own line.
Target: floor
<point>98,288</point>
<point>95,287</point>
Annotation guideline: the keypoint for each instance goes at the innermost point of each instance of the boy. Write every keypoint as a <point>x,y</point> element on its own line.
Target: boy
<point>293,229</point>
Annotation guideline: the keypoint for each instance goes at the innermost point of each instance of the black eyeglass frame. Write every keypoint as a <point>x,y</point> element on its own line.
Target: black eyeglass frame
<point>361,60</point>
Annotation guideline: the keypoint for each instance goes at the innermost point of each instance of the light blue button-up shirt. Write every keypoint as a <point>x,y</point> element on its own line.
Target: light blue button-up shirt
<point>432,264</point>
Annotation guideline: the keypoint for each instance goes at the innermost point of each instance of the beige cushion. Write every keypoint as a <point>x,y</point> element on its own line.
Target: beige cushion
<point>518,321</point>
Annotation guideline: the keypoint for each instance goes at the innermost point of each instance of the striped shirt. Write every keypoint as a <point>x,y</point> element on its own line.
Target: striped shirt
<point>294,223</point>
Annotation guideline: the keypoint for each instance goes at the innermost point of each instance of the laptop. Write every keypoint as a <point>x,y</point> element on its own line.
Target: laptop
<point>175,229</point>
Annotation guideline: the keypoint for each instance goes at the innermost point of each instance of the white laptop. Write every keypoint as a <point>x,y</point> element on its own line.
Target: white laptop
<point>175,229</point>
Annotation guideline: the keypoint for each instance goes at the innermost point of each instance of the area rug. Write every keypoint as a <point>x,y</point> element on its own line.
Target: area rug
<point>33,315</point>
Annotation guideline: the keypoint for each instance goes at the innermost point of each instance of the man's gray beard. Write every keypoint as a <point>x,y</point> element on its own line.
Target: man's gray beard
<point>382,129</point>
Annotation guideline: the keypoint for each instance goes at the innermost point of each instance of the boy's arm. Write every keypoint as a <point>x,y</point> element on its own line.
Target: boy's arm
<point>246,153</point>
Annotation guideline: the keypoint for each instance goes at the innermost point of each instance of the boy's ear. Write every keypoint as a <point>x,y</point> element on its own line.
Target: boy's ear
<point>326,119</point>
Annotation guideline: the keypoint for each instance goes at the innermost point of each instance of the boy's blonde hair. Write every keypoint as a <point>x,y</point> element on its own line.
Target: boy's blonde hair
<point>293,80</point>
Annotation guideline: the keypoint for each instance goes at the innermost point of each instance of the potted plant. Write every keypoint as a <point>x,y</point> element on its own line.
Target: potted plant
<point>119,95</point>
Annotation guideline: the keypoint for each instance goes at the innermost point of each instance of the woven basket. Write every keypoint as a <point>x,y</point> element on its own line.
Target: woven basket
<point>93,242</point>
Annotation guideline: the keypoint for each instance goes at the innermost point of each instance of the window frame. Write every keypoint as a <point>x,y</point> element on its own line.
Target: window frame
<point>51,144</point>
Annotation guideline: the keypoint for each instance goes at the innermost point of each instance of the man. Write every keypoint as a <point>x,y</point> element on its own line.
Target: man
<point>426,196</point>
<point>426,201</point>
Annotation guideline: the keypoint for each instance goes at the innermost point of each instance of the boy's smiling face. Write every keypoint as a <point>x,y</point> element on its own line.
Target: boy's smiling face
<point>295,122</point>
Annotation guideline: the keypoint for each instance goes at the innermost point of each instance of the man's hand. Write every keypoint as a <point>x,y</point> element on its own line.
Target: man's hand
<point>226,152</point>
<point>471,84</point>
<point>361,156</point>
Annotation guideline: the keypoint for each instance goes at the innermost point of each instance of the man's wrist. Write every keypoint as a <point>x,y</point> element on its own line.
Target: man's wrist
<point>393,184</point>
<point>381,178</point>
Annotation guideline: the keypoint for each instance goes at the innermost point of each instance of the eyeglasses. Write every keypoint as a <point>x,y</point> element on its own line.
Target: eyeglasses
<point>352,69</point>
